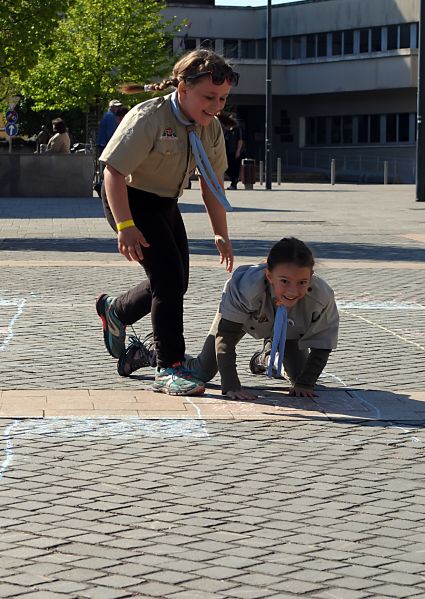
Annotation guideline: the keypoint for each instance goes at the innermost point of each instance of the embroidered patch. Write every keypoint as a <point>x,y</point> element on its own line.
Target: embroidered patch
<point>169,134</point>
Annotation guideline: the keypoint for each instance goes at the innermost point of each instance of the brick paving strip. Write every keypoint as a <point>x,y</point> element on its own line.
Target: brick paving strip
<point>270,405</point>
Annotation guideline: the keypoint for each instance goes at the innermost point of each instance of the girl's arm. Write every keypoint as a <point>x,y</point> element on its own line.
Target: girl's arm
<point>130,239</point>
<point>228,335</point>
<point>316,362</point>
<point>218,219</point>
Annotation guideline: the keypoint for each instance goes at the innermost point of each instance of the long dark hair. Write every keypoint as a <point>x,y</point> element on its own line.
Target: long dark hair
<point>290,250</point>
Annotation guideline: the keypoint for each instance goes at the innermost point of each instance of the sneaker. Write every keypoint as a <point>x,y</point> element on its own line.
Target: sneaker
<point>233,187</point>
<point>139,354</point>
<point>259,362</point>
<point>113,328</point>
<point>177,380</point>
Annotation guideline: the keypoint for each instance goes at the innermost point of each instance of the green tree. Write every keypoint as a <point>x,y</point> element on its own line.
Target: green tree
<point>26,26</point>
<point>96,46</point>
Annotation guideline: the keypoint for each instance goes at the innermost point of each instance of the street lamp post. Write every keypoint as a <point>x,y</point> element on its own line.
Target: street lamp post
<point>269,104</point>
<point>420,143</point>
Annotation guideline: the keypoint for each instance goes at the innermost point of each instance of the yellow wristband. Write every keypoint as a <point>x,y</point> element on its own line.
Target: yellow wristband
<point>125,224</point>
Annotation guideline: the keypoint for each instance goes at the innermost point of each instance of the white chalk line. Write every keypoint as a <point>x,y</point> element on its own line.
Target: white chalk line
<point>8,451</point>
<point>379,326</point>
<point>20,303</point>
<point>390,305</point>
<point>356,395</point>
<point>125,428</point>
<point>364,401</point>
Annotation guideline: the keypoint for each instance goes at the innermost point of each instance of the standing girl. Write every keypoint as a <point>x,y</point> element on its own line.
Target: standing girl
<point>279,300</point>
<point>148,163</point>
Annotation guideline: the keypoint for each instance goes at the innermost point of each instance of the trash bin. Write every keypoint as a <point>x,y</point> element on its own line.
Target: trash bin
<point>248,172</point>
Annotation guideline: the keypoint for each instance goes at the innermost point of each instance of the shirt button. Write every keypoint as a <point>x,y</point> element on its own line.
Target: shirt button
<point>252,328</point>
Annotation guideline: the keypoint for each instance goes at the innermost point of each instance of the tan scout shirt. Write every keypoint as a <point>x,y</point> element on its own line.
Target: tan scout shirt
<point>152,150</point>
<point>313,321</point>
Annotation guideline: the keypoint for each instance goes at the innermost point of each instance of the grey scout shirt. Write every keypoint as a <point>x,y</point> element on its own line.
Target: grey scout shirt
<point>313,321</point>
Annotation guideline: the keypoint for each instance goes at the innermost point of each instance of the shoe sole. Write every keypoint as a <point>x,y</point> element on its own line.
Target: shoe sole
<point>197,391</point>
<point>100,309</point>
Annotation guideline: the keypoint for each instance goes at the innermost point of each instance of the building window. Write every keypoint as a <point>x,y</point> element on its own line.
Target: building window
<point>276,47</point>
<point>375,129</point>
<point>376,39</point>
<point>364,41</point>
<point>311,46</point>
<point>337,43</point>
<point>189,43</point>
<point>348,42</point>
<point>230,48</point>
<point>321,130</point>
<point>404,36</point>
<point>347,129</point>
<point>286,48</point>
<point>261,48</point>
<point>322,44</point>
<point>248,49</point>
<point>335,130</point>
<point>363,129</point>
<point>296,47</point>
<point>403,127</point>
<point>392,43</point>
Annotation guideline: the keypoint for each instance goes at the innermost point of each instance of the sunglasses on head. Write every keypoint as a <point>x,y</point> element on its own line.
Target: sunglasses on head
<point>218,76</point>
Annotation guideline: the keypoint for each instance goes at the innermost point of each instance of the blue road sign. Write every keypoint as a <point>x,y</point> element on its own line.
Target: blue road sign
<point>11,116</point>
<point>12,129</point>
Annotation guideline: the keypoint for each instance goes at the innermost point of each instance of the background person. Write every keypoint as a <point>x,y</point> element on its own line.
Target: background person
<point>60,141</point>
<point>235,143</point>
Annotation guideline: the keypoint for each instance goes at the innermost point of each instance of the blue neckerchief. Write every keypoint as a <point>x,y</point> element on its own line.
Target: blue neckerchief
<point>279,339</point>
<point>201,158</point>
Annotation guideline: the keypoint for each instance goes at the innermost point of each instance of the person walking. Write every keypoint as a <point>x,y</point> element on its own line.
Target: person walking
<point>148,162</point>
<point>235,144</point>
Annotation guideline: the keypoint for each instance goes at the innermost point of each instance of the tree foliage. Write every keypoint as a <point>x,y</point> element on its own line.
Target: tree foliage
<point>26,26</point>
<point>95,47</point>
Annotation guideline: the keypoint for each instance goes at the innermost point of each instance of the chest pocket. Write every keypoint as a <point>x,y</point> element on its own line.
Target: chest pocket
<point>166,147</point>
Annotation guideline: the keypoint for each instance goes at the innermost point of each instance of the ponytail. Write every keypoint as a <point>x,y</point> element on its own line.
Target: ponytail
<point>138,88</point>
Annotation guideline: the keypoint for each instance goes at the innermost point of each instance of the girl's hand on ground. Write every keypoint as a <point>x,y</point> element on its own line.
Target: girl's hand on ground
<point>241,394</point>
<point>224,247</point>
<point>130,243</point>
<point>296,391</point>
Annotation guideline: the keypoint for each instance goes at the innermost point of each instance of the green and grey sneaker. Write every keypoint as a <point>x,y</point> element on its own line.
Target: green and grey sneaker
<point>177,380</point>
<point>138,354</point>
<point>113,328</point>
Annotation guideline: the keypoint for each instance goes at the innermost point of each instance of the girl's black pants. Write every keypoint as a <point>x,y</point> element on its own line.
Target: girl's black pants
<point>166,263</point>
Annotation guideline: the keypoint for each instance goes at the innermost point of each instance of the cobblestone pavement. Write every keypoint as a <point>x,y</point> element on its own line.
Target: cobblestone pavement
<point>108,491</point>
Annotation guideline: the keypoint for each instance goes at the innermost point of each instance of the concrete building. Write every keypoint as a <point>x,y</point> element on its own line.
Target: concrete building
<point>344,80</point>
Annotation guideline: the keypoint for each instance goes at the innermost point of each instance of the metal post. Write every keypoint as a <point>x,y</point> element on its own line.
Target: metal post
<point>268,148</point>
<point>333,171</point>
<point>420,144</point>
<point>279,171</point>
<point>261,172</point>
<point>385,172</point>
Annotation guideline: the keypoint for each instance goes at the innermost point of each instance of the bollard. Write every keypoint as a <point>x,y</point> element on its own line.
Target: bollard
<point>279,171</point>
<point>333,171</point>
<point>248,172</point>
<point>385,172</point>
<point>261,172</point>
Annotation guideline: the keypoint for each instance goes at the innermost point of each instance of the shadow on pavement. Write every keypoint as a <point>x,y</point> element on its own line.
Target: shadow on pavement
<point>206,247</point>
<point>41,208</point>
